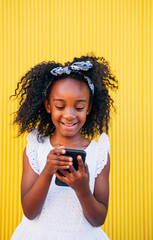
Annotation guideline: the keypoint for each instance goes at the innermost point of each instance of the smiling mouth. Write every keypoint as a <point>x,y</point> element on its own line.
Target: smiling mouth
<point>69,124</point>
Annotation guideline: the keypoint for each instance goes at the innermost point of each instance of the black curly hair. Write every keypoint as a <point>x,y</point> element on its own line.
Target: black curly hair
<point>39,80</point>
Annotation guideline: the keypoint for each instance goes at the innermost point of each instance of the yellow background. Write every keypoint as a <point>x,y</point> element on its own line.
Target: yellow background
<point>32,31</point>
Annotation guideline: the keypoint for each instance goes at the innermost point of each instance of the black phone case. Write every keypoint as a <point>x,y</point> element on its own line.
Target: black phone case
<point>71,153</point>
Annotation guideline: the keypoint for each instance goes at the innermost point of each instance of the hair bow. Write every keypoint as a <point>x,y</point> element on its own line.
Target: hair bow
<point>76,67</point>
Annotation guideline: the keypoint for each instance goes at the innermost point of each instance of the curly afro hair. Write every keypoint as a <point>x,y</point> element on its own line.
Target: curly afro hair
<point>39,80</point>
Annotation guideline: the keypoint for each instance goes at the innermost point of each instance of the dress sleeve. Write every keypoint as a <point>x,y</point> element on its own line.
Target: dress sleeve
<point>102,154</point>
<point>32,150</point>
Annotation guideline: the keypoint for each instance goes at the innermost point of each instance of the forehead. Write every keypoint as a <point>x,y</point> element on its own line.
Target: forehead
<point>70,88</point>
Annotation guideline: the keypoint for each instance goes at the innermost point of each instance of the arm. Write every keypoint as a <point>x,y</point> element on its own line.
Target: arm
<point>34,187</point>
<point>94,205</point>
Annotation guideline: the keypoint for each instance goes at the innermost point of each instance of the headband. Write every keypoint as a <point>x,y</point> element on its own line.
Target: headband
<point>75,67</point>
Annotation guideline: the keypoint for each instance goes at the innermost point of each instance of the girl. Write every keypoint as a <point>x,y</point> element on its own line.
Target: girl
<point>65,107</point>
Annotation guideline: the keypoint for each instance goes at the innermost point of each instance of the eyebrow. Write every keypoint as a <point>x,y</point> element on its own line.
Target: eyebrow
<point>61,100</point>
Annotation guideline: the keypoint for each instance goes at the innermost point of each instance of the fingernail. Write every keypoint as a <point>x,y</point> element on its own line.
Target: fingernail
<point>60,146</point>
<point>70,159</point>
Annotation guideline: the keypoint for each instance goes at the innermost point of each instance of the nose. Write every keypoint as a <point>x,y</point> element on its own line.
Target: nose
<point>69,113</point>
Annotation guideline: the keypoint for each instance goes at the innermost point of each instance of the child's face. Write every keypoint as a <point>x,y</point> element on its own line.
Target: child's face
<point>69,106</point>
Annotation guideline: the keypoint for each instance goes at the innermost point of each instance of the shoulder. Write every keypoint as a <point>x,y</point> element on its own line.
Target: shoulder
<point>103,138</point>
<point>35,141</point>
<point>103,142</point>
<point>103,151</point>
<point>35,137</point>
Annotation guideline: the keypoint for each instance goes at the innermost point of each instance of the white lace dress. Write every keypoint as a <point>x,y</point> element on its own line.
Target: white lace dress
<point>62,217</point>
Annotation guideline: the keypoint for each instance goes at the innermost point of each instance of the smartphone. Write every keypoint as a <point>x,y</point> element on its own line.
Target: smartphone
<point>71,153</point>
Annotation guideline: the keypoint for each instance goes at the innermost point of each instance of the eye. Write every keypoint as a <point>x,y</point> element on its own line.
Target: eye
<point>60,108</point>
<point>79,108</point>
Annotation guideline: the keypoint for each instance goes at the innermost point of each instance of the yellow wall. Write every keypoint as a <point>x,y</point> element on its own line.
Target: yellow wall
<point>120,30</point>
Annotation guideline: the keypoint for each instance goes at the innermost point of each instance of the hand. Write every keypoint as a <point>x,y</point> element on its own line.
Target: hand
<point>55,160</point>
<point>77,180</point>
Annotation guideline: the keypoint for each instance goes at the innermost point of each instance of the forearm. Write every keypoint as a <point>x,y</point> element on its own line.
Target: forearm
<point>94,211</point>
<point>33,200</point>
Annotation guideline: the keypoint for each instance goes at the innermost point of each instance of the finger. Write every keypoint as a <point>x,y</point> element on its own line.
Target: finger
<point>58,151</point>
<point>53,156</point>
<point>62,163</point>
<point>63,158</point>
<point>55,152</point>
<point>86,168</point>
<point>80,163</point>
<point>72,170</point>
<point>87,171</point>
<point>64,172</point>
<point>63,179</point>
<point>59,161</point>
<point>60,147</point>
<point>62,167</point>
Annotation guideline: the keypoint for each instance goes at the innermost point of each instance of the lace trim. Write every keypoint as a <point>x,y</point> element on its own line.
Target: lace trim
<point>32,150</point>
<point>103,150</point>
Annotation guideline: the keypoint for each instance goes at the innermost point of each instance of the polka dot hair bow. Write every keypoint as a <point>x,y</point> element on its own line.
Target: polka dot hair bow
<point>75,67</point>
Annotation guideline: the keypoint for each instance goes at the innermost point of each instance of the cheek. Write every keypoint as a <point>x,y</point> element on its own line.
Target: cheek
<point>54,116</point>
<point>83,116</point>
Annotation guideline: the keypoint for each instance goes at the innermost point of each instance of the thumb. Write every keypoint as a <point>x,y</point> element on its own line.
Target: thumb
<point>86,169</point>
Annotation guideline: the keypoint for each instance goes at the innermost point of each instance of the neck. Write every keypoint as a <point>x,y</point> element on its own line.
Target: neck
<point>75,142</point>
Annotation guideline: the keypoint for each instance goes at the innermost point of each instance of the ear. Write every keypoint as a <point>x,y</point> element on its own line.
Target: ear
<point>47,106</point>
<point>89,109</point>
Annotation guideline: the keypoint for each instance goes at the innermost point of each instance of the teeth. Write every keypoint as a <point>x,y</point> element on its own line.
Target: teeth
<point>69,124</point>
